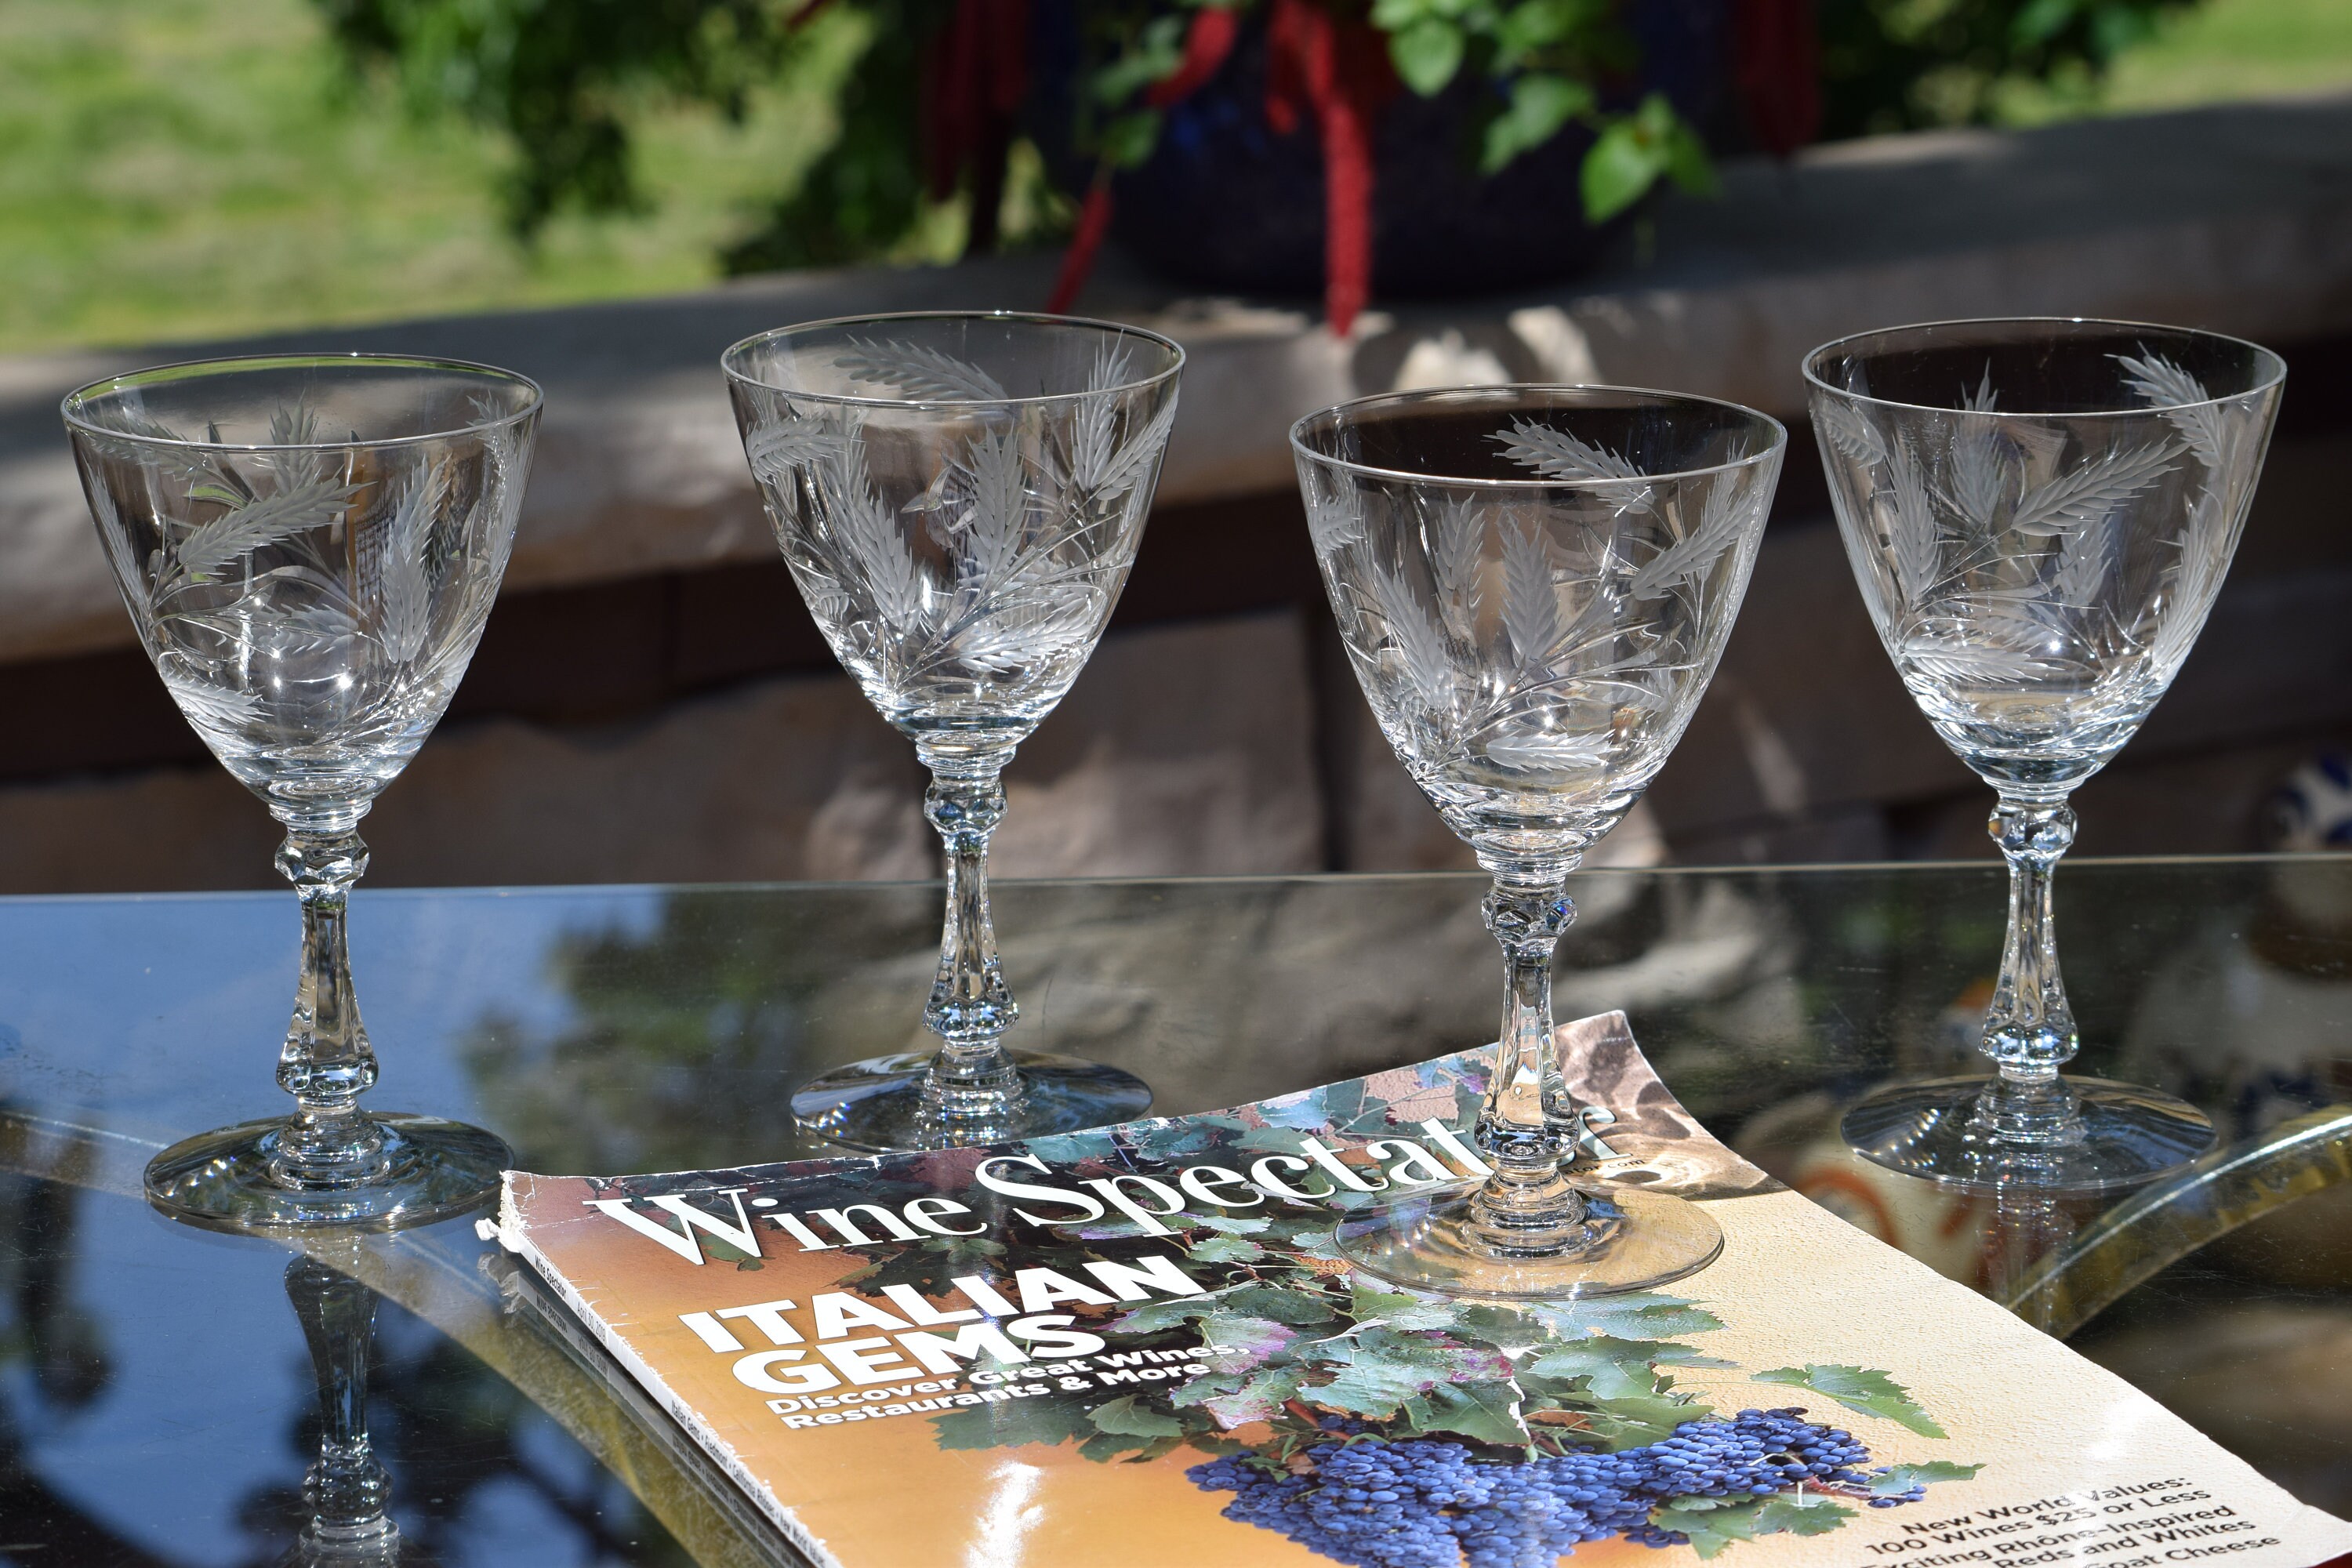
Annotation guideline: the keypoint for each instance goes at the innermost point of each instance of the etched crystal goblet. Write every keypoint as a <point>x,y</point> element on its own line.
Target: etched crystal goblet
<point>308,546</point>
<point>1534,585</point>
<point>2040,514</point>
<point>959,497</point>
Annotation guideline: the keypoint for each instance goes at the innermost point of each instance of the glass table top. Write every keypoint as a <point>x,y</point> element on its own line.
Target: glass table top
<point>157,1403</point>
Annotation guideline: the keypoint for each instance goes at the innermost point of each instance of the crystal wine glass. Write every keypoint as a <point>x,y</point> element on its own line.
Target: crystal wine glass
<point>959,497</point>
<point>1534,585</point>
<point>2040,514</point>
<point>308,546</point>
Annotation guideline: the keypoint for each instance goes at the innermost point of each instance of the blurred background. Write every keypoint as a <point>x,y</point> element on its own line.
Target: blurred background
<point>1319,197</point>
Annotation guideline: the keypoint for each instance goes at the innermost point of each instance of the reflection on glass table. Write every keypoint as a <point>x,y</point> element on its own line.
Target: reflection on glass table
<point>158,1403</point>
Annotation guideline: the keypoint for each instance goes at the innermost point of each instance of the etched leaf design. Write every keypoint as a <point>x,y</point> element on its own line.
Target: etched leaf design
<point>1030,629</point>
<point>1983,399</point>
<point>876,549</point>
<point>1530,605</point>
<point>1419,645</point>
<point>2083,558</point>
<point>2091,493</point>
<point>120,553</point>
<point>2187,406</point>
<point>204,704</point>
<point>267,520</point>
<point>992,528</point>
<point>1911,529</point>
<point>1980,472</point>
<point>1730,506</point>
<point>1126,466</point>
<point>921,373</point>
<point>1557,455</point>
<point>404,588</point>
<point>2204,562</point>
<point>1534,750</point>
<point>1334,523</point>
<point>1455,539</point>
<point>776,449</point>
<point>297,425</point>
<point>1849,432</point>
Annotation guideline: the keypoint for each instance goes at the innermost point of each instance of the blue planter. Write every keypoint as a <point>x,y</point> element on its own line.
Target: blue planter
<point>1225,202</point>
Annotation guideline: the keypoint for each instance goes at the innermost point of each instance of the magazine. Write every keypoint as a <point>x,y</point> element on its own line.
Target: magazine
<point>1135,1345</point>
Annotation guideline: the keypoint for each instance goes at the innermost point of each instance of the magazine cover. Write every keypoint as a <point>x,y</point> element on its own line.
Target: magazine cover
<point>1136,1346</point>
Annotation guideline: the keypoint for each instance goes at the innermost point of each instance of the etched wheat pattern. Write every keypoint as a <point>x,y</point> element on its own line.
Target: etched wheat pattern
<point>1997,561</point>
<point>1026,529</point>
<point>1491,649</point>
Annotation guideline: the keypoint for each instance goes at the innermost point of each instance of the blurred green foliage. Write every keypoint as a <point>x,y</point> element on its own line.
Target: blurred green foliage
<point>180,169</point>
<point>1899,64</point>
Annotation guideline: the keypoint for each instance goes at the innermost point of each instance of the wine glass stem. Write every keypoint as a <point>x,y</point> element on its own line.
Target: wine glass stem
<point>2028,1028</point>
<point>972,1084</point>
<point>347,1488</point>
<point>327,1063</point>
<point>1528,1126</point>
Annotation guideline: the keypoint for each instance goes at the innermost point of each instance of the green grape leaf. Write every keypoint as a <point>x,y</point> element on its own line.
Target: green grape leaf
<point>1280,1304</point>
<point>1711,1529</point>
<point>1901,1478</point>
<point>1615,1368</point>
<point>1398,1311</point>
<point>1858,1389</point>
<point>1155,1316</point>
<point>1016,1421</point>
<point>1256,1396</point>
<point>1630,1423</point>
<point>1127,1417</point>
<point>1806,1513</point>
<point>1488,1412</point>
<point>1426,54</point>
<point>1227,1249</point>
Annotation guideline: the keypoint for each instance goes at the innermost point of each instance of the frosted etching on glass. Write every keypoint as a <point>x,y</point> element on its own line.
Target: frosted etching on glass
<point>1533,586</point>
<point>2039,515</point>
<point>310,547</point>
<point>960,499</point>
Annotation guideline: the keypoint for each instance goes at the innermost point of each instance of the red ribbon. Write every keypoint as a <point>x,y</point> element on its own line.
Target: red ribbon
<point>975,72</point>
<point>1780,72</point>
<point>1340,71</point>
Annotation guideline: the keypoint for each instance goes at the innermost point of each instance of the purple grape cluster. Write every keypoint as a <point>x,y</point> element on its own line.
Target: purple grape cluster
<point>1430,1502</point>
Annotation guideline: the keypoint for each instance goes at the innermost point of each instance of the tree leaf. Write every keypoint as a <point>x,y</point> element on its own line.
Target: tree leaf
<point>1619,170</point>
<point>1859,1389</point>
<point>1540,103</point>
<point>1426,54</point>
<point>1126,1417</point>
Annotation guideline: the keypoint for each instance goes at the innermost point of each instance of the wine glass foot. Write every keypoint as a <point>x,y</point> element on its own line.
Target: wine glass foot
<point>877,1106</point>
<point>1631,1240</point>
<point>433,1169</point>
<point>2125,1135</point>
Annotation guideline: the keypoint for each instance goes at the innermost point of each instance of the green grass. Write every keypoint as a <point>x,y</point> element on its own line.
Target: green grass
<point>2235,49</point>
<point>191,168</point>
<point>178,169</point>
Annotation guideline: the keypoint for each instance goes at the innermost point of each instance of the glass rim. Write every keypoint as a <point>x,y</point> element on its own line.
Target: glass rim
<point>731,357</point>
<point>69,406</point>
<point>1778,443</point>
<point>2273,377</point>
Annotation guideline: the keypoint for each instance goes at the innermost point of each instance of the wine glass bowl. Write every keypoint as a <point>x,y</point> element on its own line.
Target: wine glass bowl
<point>309,547</point>
<point>2039,515</point>
<point>959,497</point>
<point>1533,586</point>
